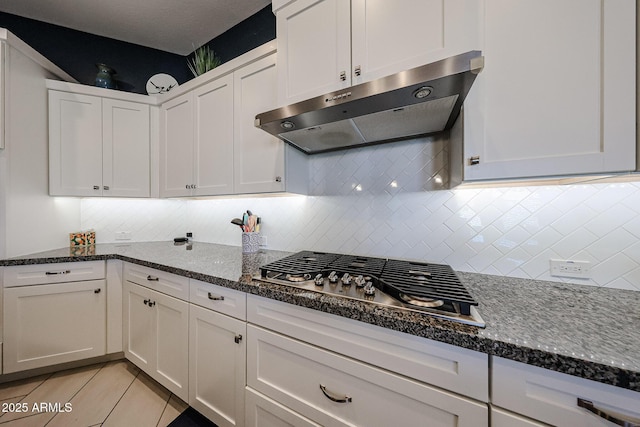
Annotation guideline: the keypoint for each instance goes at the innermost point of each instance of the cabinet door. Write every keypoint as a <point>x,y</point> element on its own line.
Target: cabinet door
<point>388,37</point>
<point>258,156</point>
<point>314,48</point>
<point>42,327</point>
<point>176,147</point>
<point>125,149</point>
<point>217,368</point>
<point>555,98</point>
<point>75,144</point>
<point>139,327</point>
<point>171,343</point>
<point>214,137</point>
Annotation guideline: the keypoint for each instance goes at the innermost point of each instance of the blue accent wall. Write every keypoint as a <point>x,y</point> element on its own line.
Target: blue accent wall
<point>77,52</point>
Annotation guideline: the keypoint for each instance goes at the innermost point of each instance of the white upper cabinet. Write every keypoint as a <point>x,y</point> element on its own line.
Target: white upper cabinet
<point>196,143</point>
<point>125,148</point>
<point>327,45</point>
<point>557,94</point>
<point>176,147</point>
<point>210,146</point>
<point>259,156</point>
<point>98,147</point>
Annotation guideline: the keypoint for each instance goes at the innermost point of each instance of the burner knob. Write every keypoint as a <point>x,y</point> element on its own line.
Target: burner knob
<point>346,279</point>
<point>333,277</point>
<point>318,280</point>
<point>369,289</point>
<point>360,281</point>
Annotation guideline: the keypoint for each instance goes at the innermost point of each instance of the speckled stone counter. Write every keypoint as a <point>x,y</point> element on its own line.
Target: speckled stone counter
<point>584,331</point>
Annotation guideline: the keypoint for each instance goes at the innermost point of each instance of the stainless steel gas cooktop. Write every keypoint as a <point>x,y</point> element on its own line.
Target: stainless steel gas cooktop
<point>428,288</point>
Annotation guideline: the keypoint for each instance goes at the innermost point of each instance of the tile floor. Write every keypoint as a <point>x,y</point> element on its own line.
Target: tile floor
<point>106,394</point>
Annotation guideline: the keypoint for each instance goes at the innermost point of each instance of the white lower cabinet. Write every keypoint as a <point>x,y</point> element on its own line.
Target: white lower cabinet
<point>217,368</point>
<point>334,390</point>
<point>53,323</point>
<point>264,412</point>
<point>155,335</point>
<point>502,418</point>
<point>553,398</point>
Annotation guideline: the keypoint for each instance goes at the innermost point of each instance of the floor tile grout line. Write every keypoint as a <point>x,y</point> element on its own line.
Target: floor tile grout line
<point>166,404</point>
<point>80,389</point>
<point>125,392</point>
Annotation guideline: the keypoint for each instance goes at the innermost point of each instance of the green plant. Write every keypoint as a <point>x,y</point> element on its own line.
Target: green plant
<point>203,60</point>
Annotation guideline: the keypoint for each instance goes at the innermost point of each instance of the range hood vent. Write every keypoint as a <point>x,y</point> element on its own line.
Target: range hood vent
<point>422,101</point>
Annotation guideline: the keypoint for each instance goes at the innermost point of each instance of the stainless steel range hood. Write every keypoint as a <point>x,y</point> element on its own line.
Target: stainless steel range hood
<point>422,101</point>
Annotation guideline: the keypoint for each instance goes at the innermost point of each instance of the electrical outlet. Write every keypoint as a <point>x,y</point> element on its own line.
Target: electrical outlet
<point>123,235</point>
<point>263,240</point>
<point>568,268</point>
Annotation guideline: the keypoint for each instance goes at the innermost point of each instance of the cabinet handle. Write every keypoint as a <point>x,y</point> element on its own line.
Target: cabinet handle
<point>215,297</point>
<point>97,291</point>
<point>588,405</point>
<point>96,187</point>
<point>151,303</point>
<point>357,71</point>
<point>278,179</point>
<point>186,186</point>
<point>146,302</point>
<point>343,75</point>
<point>106,187</point>
<point>237,338</point>
<point>152,278</point>
<point>53,273</point>
<point>332,397</point>
<point>474,160</point>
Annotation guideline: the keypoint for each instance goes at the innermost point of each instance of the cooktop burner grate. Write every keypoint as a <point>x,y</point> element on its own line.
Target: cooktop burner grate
<point>301,263</point>
<point>425,281</point>
<point>355,265</point>
<point>426,287</point>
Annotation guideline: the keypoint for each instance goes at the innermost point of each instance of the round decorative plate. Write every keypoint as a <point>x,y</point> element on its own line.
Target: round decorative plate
<point>161,83</point>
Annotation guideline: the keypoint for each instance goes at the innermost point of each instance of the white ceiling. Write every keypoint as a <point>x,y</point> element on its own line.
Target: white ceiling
<point>169,25</point>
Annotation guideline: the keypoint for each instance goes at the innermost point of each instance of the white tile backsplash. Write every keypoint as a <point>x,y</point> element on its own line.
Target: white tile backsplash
<point>511,231</point>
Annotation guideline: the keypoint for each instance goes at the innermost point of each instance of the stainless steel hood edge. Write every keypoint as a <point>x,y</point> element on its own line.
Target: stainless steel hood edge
<point>383,110</point>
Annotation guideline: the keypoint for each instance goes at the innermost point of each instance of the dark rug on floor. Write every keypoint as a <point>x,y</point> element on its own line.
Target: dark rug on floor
<point>191,418</point>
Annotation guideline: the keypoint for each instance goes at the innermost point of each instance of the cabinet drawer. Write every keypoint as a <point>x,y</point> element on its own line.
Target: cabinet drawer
<point>39,274</point>
<point>501,418</point>
<point>334,390</point>
<point>443,365</point>
<point>223,300</point>
<point>264,412</point>
<point>161,281</point>
<point>552,397</point>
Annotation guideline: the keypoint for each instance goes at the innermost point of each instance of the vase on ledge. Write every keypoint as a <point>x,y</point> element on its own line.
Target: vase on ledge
<point>104,78</point>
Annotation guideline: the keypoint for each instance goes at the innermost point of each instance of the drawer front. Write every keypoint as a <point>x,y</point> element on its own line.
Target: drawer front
<point>501,418</point>
<point>443,365</point>
<point>264,412</point>
<point>161,281</point>
<point>218,298</point>
<point>552,397</point>
<point>40,274</point>
<point>334,390</point>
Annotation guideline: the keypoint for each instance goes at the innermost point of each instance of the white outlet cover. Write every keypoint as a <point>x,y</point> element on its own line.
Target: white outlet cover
<point>570,268</point>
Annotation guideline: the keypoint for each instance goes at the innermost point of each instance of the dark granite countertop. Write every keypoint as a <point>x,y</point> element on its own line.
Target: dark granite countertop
<point>585,331</point>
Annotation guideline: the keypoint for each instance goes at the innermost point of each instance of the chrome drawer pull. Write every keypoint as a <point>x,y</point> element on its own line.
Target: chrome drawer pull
<point>215,297</point>
<point>344,399</point>
<point>53,273</point>
<point>152,278</point>
<point>599,412</point>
